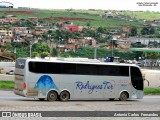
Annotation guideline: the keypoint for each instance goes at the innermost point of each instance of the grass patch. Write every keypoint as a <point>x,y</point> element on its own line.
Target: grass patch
<point>8,85</point>
<point>152,91</point>
<point>95,15</point>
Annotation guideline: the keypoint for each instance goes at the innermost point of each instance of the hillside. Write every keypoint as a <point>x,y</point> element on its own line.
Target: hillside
<point>148,15</point>
<point>92,18</point>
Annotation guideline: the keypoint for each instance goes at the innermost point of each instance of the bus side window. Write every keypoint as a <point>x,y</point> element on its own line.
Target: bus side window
<point>40,67</point>
<point>68,68</point>
<point>116,70</point>
<point>53,68</point>
<point>31,66</point>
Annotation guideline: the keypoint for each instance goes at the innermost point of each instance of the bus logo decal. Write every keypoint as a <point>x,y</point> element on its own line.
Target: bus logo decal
<point>92,87</point>
<point>45,83</point>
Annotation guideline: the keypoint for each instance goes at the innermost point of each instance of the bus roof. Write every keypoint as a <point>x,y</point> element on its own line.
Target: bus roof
<point>76,60</point>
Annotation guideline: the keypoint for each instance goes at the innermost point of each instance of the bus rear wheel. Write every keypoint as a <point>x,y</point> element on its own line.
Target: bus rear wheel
<point>64,96</point>
<point>123,96</point>
<point>52,96</point>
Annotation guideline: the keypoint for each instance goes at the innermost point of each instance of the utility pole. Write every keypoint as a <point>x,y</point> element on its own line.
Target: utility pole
<point>31,44</point>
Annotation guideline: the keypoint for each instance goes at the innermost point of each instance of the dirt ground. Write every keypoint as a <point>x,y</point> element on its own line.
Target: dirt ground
<point>153,76</point>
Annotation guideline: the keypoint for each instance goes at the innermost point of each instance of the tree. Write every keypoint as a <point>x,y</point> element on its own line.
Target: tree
<point>41,49</point>
<point>9,54</point>
<point>44,54</point>
<point>22,52</point>
<point>138,45</point>
<point>152,30</point>
<point>153,44</point>
<point>153,55</point>
<point>133,31</point>
<point>54,52</point>
<point>101,30</point>
<point>8,46</point>
<point>26,42</point>
<point>88,24</point>
<point>147,30</point>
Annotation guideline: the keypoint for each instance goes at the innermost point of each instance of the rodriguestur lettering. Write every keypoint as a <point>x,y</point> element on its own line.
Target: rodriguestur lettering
<point>92,87</point>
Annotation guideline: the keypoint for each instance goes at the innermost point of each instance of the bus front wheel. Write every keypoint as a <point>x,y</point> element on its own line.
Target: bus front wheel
<point>52,96</point>
<point>123,96</point>
<point>64,96</point>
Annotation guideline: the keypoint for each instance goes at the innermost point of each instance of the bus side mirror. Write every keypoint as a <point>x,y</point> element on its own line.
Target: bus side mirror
<point>147,81</point>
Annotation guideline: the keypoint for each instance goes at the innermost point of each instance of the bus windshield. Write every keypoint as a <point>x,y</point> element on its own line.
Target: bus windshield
<point>20,63</point>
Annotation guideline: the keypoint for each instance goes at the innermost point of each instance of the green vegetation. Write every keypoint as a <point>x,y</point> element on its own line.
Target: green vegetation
<point>132,17</point>
<point>101,52</point>
<point>147,15</point>
<point>153,91</point>
<point>95,16</point>
<point>7,85</point>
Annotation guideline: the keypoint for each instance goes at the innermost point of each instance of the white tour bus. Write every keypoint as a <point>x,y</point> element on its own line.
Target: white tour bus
<point>77,79</point>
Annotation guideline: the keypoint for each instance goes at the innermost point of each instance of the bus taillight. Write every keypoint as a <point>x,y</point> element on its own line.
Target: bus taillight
<point>24,86</point>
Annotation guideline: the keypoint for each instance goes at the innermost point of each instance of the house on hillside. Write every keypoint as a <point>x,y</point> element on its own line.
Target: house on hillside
<point>86,41</point>
<point>33,19</point>
<point>5,32</point>
<point>89,41</point>
<point>73,44</point>
<point>39,31</point>
<point>20,40</point>
<point>71,47</point>
<point>9,20</point>
<point>73,41</point>
<point>144,41</point>
<point>21,32</point>
<point>4,40</point>
<point>108,15</point>
<point>122,45</point>
<point>127,28</point>
<point>72,28</point>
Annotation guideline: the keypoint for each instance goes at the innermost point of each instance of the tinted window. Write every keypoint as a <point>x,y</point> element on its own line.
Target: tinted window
<point>84,69</point>
<point>20,63</point>
<point>68,68</point>
<point>135,72</point>
<point>136,78</point>
<point>115,70</point>
<point>53,68</point>
<point>38,67</point>
<point>79,69</point>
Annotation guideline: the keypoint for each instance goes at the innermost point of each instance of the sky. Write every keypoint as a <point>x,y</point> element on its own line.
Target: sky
<point>133,5</point>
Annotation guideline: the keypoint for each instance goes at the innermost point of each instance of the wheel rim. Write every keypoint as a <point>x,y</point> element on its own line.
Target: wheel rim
<point>52,96</point>
<point>64,96</point>
<point>123,97</point>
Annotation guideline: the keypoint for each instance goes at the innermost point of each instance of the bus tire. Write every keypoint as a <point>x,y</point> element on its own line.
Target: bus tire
<point>64,96</point>
<point>52,96</point>
<point>123,96</point>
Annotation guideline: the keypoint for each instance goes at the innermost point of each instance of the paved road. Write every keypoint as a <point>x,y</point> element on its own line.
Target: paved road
<point>9,101</point>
